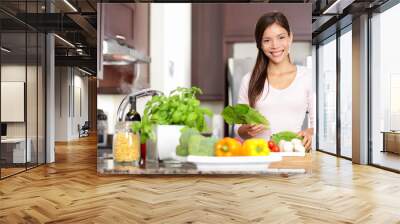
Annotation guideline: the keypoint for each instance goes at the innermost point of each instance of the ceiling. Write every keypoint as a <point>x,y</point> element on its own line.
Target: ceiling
<point>330,15</point>
<point>74,21</point>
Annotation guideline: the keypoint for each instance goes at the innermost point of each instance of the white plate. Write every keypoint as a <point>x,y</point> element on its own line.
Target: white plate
<point>289,153</point>
<point>182,159</point>
<point>233,163</point>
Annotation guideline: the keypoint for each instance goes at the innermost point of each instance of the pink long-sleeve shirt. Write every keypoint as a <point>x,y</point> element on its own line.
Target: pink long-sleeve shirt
<point>286,108</point>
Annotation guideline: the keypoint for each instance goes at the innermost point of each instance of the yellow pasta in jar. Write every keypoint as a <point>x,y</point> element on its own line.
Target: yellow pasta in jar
<point>126,147</point>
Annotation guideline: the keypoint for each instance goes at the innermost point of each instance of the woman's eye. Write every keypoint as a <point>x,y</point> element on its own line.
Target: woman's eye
<point>281,38</point>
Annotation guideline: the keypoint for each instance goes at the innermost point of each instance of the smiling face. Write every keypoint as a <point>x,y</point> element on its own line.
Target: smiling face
<point>275,43</point>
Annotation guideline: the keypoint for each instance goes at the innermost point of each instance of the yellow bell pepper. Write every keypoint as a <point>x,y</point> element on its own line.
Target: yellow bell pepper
<point>228,147</point>
<point>255,147</point>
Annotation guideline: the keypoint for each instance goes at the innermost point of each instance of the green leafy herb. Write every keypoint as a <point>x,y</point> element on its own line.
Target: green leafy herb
<point>243,114</point>
<point>284,135</point>
<point>181,107</point>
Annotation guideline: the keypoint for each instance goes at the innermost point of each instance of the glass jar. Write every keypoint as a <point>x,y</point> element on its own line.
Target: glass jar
<point>126,144</point>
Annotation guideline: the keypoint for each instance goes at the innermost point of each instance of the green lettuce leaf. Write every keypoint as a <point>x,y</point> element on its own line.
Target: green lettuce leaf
<point>243,114</point>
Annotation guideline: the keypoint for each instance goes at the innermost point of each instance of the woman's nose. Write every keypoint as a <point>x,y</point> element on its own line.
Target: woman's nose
<point>274,43</point>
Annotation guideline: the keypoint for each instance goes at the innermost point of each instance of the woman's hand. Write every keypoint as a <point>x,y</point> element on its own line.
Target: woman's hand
<point>251,130</point>
<point>307,135</point>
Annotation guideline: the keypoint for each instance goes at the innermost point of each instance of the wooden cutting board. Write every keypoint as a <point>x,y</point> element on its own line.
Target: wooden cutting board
<point>294,162</point>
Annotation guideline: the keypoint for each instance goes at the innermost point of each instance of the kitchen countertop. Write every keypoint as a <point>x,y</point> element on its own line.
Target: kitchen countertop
<point>288,166</point>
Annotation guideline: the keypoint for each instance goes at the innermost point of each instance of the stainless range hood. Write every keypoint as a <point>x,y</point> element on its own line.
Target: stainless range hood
<point>116,52</point>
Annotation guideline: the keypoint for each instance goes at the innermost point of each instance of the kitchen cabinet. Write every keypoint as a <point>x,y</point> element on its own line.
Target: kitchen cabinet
<point>119,20</point>
<point>131,21</point>
<point>118,79</point>
<point>207,51</point>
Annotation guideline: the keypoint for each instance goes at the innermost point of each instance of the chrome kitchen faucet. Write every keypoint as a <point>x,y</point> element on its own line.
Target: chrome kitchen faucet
<point>124,103</point>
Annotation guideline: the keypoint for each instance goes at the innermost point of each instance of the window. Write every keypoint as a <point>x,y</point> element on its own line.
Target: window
<point>394,102</point>
<point>346,75</point>
<point>385,88</point>
<point>327,96</point>
<point>22,75</point>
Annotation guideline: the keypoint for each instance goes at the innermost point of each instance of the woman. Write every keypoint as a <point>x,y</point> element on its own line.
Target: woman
<point>277,88</point>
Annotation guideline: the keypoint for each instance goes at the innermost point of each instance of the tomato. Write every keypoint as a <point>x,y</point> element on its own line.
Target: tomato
<point>271,144</point>
<point>275,148</point>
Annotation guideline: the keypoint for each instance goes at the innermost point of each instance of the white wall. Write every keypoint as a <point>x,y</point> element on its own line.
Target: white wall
<point>62,81</point>
<point>33,126</point>
<point>109,104</point>
<point>170,46</point>
<point>16,73</point>
<point>69,84</point>
<point>80,84</point>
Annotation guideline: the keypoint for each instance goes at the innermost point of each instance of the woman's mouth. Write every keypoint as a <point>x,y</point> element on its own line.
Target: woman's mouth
<point>276,53</point>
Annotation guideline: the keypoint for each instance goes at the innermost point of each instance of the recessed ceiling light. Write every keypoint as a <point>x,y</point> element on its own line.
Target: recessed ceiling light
<point>5,50</point>
<point>70,5</point>
<point>84,71</point>
<point>337,7</point>
<point>64,40</point>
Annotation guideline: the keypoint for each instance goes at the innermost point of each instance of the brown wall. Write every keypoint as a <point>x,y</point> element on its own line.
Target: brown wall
<point>240,19</point>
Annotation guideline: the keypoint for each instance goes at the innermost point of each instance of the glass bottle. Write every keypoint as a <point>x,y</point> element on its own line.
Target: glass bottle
<point>132,114</point>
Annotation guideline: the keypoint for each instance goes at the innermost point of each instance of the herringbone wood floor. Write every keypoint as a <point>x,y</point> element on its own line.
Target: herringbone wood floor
<point>70,191</point>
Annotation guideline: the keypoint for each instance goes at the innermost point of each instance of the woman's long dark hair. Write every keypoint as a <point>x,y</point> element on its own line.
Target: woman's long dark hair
<point>260,73</point>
